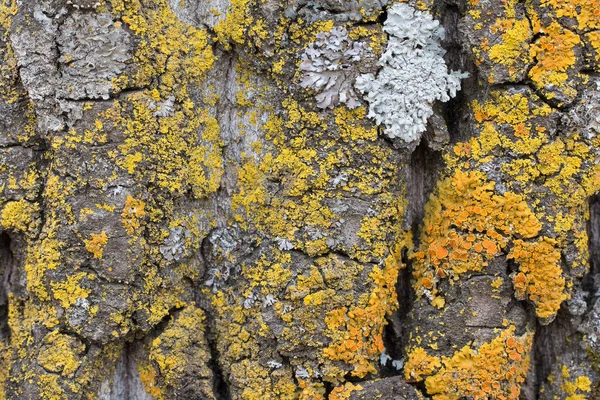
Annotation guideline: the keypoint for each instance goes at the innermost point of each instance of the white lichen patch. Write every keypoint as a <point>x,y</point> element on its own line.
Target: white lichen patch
<point>413,76</point>
<point>329,67</point>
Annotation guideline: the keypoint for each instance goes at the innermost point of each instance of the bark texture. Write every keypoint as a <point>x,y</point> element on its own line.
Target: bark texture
<point>195,202</point>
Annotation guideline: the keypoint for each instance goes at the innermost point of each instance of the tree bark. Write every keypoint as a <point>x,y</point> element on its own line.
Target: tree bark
<point>199,202</point>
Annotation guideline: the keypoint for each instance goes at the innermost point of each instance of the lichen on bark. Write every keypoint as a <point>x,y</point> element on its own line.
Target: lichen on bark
<point>187,212</point>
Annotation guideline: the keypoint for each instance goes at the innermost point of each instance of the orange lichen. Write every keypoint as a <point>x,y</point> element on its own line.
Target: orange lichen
<point>540,275</point>
<point>148,376</point>
<point>466,225</point>
<point>343,392</point>
<point>495,370</point>
<point>357,332</point>
<point>586,12</point>
<point>555,55</point>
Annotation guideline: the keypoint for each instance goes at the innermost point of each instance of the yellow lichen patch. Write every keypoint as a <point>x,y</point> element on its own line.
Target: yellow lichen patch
<point>513,49</point>
<point>9,87</point>
<point>8,8</point>
<point>5,354</point>
<point>311,390</point>
<point>133,212</point>
<point>540,275</point>
<point>61,354</point>
<point>182,160</point>
<point>258,382</point>
<point>495,370</point>
<point>575,389</point>
<point>466,225</point>
<point>506,108</point>
<point>357,332</point>
<point>584,11</point>
<point>42,255</point>
<point>235,24</point>
<point>17,215</point>
<point>350,127</point>
<point>69,291</point>
<point>555,55</point>
<point>96,244</point>
<point>50,388</point>
<point>502,113</point>
<point>148,377</point>
<point>343,392</point>
<point>420,365</point>
<point>182,346</point>
<point>176,52</point>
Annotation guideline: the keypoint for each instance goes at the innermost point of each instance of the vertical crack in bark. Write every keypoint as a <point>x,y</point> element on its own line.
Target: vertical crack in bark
<point>592,283</point>
<point>6,272</point>
<point>220,385</point>
<point>549,341</point>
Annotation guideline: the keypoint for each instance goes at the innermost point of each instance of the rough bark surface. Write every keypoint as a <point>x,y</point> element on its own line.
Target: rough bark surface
<point>195,202</point>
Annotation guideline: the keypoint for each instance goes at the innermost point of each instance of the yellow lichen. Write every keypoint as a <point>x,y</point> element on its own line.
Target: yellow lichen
<point>514,44</point>
<point>420,364</point>
<point>69,291</point>
<point>61,354</point>
<point>343,392</point>
<point>18,215</point>
<point>133,212</point>
<point>495,370</point>
<point>96,244</point>
<point>555,55</point>
<point>540,275</point>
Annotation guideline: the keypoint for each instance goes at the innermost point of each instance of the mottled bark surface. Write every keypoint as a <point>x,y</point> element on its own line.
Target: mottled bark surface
<point>195,202</point>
